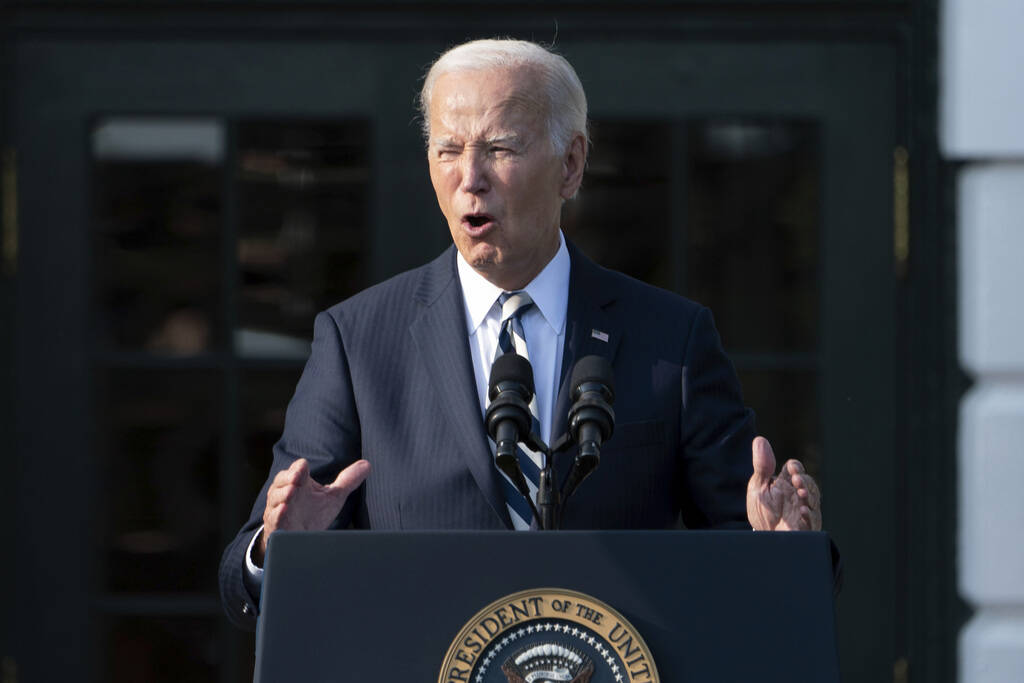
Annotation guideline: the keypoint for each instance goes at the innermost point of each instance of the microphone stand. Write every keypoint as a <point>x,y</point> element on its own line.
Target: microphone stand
<point>548,508</point>
<point>547,511</point>
<point>549,498</point>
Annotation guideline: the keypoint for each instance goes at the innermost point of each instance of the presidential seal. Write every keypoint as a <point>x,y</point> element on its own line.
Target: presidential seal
<point>548,635</point>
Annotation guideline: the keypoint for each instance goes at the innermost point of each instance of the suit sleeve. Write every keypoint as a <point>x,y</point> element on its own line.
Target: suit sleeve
<point>322,426</point>
<point>716,433</point>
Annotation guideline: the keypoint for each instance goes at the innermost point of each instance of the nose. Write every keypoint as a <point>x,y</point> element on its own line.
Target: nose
<point>474,172</point>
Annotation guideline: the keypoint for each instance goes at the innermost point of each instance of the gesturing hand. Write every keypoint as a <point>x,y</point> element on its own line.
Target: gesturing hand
<point>788,502</point>
<point>295,501</point>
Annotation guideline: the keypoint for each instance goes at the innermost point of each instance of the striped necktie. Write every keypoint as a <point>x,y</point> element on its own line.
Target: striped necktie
<point>512,339</point>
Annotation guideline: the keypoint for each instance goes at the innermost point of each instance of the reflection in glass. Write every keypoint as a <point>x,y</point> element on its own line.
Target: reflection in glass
<point>621,217</point>
<point>163,649</point>
<point>752,231</point>
<point>786,403</point>
<point>302,193</point>
<point>161,464</point>
<point>157,211</point>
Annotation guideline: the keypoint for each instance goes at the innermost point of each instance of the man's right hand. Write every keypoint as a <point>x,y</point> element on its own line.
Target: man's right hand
<point>295,501</point>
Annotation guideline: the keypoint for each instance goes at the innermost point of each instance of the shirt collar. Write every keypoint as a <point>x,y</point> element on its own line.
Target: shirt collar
<point>549,290</point>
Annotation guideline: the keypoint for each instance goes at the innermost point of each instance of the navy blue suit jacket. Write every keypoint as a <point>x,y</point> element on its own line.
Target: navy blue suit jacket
<point>390,379</point>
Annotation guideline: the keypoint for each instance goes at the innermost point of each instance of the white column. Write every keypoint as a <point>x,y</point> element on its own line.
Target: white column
<point>982,115</point>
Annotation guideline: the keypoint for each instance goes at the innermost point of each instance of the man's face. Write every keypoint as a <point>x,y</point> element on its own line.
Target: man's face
<point>498,181</point>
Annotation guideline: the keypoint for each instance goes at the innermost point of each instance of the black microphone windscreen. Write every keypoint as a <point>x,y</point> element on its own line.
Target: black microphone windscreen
<point>511,367</point>
<point>593,369</point>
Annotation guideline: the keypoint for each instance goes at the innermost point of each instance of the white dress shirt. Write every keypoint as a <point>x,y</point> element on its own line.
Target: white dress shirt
<point>543,324</point>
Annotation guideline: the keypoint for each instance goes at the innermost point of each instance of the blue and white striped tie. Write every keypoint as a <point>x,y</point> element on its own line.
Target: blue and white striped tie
<point>512,339</point>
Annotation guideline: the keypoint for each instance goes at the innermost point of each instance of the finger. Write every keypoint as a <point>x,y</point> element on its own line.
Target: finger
<point>805,519</point>
<point>809,493</point>
<point>279,495</point>
<point>299,471</point>
<point>812,486</point>
<point>294,475</point>
<point>808,490</point>
<point>274,497</point>
<point>787,483</point>
<point>271,522</point>
<point>793,468</point>
<point>811,516</point>
<point>810,520</point>
<point>349,479</point>
<point>764,462</point>
<point>794,472</point>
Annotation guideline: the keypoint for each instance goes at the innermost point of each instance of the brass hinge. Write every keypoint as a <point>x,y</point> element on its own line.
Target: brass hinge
<point>900,670</point>
<point>900,209</point>
<point>9,204</point>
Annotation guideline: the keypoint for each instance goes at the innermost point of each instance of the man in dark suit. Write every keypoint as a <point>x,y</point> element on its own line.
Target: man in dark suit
<point>396,383</point>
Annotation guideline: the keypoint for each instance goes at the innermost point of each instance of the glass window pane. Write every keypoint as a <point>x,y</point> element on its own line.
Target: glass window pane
<point>752,230</point>
<point>622,215</point>
<point>157,211</point>
<point>303,191</point>
<point>265,395</point>
<point>161,469</point>
<point>786,403</point>
<point>163,649</point>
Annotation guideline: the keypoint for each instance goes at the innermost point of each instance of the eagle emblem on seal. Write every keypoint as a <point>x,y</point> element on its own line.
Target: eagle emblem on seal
<point>548,663</point>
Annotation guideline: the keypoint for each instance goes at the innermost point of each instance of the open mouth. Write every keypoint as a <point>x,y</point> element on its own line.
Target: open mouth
<point>478,220</point>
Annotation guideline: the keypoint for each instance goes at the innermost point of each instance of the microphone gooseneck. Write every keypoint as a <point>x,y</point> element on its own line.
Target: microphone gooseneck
<point>591,418</point>
<point>508,420</point>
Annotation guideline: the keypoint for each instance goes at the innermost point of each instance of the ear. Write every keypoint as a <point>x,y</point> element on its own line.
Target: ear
<point>573,163</point>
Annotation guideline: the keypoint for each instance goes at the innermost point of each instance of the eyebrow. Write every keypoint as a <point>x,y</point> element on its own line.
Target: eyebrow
<point>511,138</point>
<point>504,139</point>
<point>445,142</point>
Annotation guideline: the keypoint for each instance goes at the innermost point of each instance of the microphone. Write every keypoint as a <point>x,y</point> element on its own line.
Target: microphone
<point>508,415</point>
<point>591,418</point>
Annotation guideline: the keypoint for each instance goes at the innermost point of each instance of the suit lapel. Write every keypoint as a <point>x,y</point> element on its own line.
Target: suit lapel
<point>590,330</point>
<point>440,333</point>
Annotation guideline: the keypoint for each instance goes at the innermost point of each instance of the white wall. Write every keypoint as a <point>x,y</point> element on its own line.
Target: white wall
<point>982,125</point>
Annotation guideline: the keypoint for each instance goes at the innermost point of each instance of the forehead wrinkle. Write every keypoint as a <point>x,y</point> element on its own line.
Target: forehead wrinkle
<point>524,102</point>
<point>465,115</point>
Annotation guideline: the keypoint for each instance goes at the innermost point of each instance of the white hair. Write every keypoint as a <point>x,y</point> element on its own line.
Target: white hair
<point>565,100</point>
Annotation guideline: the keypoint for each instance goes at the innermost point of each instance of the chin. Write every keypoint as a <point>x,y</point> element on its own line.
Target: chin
<point>481,256</point>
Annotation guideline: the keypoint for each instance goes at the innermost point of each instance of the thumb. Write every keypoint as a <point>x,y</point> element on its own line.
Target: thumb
<point>299,470</point>
<point>764,462</point>
<point>349,479</point>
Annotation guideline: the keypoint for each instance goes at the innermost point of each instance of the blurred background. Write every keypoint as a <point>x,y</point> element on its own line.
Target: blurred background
<point>185,184</point>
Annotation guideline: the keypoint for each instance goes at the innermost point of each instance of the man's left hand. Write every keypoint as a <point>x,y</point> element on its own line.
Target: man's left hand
<point>790,501</point>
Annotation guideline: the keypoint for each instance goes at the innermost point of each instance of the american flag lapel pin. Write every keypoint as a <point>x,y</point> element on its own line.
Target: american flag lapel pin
<point>599,335</point>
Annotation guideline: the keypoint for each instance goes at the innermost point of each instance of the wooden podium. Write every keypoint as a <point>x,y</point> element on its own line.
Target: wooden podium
<point>388,607</point>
